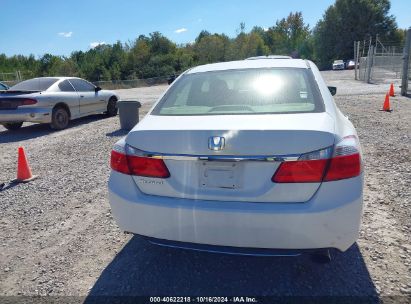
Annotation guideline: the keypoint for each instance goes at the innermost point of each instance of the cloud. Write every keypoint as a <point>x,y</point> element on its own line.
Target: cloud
<point>265,29</point>
<point>181,30</point>
<point>96,44</point>
<point>65,34</point>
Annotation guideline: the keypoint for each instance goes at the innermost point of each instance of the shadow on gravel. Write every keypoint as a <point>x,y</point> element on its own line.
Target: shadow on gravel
<point>38,130</point>
<point>117,133</point>
<point>4,186</point>
<point>144,269</point>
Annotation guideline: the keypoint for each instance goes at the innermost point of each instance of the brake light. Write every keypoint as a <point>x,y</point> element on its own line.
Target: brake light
<point>118,162</point>
<point>341,162</point>
<point>137,165</point>
<point>346,160</point>
<point>309,171</point>
<point>309,168</point>
<point>27,101</point>
<point>146,166</point>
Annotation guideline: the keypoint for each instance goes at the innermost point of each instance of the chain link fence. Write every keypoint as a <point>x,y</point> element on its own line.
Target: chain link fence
<point>409,76</point>
<point>12,78</point>
<point>386,66</point>
<point>384,63</point>
<point>381,64</point>
<point>133,83</point>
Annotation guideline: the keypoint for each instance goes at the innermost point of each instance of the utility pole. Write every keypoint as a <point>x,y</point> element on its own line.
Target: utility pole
<point>376,42</point>
<point>357,62</point>
<point>369,63</point>
<point>405,63</point>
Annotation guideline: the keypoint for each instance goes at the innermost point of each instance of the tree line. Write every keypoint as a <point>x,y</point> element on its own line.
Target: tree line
<point>155,55</point>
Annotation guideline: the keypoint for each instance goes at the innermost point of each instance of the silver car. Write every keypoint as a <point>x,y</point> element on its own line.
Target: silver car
<point>338,65</point>
<point>54,100</point>
<point>3,87</point>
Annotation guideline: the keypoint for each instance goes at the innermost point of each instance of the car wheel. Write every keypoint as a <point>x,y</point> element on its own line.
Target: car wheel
<point>60,118</point>
<point>13,125</point>
<point>112,107</point>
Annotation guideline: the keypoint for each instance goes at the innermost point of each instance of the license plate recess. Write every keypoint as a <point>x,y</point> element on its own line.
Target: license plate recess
<point>225,175</point>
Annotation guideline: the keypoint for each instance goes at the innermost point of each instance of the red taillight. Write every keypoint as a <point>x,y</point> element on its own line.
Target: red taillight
<point>27,101</point>
<point>146,166</point>
<point>342,167</point>
<point>137,165</point>
<point>306,171</point>
<point>118,162</point>
<point>319,166</point>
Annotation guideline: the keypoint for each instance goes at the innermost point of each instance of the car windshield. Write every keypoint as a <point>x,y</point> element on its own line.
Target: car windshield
<point>36,84</point>
<point>338,61</point>
<point>248,91</point>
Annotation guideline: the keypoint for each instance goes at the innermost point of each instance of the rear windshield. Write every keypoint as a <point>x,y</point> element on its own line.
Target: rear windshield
<point>36,84</point>
<point>248,91</point>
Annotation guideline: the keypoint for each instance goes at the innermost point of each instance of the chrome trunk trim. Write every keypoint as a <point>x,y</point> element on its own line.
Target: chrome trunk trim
<point>232,158</point>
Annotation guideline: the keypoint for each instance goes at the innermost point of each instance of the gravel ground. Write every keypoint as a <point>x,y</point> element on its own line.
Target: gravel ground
<point>59,238</point>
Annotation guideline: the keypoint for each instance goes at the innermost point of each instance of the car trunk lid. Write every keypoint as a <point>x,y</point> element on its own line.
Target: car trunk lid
<point>242,169</point>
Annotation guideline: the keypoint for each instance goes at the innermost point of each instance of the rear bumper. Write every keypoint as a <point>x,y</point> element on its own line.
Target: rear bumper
<point>40,115</point>
<point>230,250</point>
<point>330,219</point>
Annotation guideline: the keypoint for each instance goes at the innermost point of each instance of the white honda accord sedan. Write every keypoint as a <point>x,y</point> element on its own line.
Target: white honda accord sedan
<point>244,157</point>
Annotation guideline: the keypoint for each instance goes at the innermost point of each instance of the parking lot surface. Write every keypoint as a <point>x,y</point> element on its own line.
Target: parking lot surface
<point>58,236</point>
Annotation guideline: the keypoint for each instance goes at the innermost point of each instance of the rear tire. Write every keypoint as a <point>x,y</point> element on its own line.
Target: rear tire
<point>112,107</point>
<point>60,118</point>
<point>13,125</point>
<point>322,256</point>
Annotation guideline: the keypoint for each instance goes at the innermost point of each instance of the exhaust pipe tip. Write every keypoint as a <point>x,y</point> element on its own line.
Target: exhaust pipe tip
<point>321,256</point>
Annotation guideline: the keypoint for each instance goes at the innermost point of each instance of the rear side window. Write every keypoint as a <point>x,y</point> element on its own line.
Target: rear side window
<point>65,86</point>
<point>249,91</point>
<point>82,85</point>
<point>36,84</point>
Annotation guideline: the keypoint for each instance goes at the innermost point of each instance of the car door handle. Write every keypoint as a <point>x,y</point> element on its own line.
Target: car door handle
<point>81,96</point>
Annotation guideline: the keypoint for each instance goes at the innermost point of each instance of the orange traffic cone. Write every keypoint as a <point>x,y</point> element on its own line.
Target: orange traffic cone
<point>24,174</point>
<point>386,106</point>
<point>392,94</point>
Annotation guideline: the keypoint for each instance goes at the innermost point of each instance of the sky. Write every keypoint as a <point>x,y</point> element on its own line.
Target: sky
<point>61,27</point>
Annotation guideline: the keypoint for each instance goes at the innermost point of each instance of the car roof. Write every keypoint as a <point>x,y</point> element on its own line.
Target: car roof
<point>251,64</point>
<point>269,57</point>
<point>57,77</point>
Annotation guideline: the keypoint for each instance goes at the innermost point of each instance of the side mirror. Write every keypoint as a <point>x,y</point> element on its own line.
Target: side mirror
<point>333,90</point>
<point>96,89</point>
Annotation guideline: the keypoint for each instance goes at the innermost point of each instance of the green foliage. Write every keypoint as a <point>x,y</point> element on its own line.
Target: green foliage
<point>155,55</point>
<point>211,48</point>
<point>289,36</point>
<point>351,20</point>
